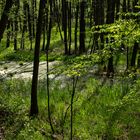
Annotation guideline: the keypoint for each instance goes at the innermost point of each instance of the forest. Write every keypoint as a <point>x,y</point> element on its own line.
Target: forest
<point>69,69</point>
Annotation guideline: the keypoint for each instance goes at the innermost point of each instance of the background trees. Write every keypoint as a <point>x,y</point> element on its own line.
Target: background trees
<point>97,38</point>
<point>66,14</point>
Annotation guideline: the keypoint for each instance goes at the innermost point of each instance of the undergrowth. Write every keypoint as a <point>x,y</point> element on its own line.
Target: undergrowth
<point>110,111</point>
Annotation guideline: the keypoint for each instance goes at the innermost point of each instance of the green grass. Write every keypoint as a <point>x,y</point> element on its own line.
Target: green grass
<point>100,111</point>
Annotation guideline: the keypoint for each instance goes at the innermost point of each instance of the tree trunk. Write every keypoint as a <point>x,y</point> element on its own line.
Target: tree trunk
<point>8,35</point>
<point>4,17</point>
<point>82,27</point>
<point>34,104</point>
<point>124,8</point>
<point>47,54</point>
<point>117,9</point>
<point>136,45</point>
<point>29,25</point>
<point>69,26</point>
<point>76,26</point>
<point>134,54</point>
<point>58,20</point>
<point>24,29</point>
<point>16,24</point>
<point>64,23</point>
<point>109,20</point>
<point>33,2</point>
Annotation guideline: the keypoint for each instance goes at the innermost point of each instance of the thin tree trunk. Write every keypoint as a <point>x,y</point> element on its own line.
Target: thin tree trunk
<point>117,9</point>
<point>69,26</point>
<point>47,54</point>
<point>24,29</point>
<point>58,20</point>
<point>136,45</point>
<point>33,17</point>
<point>134,54</point>
<point>76,27</point>
<point>16,25</point>
<point>64,25</point>
<point>8,35</point>
<point>29,26</point>
<point>82,27</point>
<point>74,84</point>
<point>109,20</point>
<point>44,30</point>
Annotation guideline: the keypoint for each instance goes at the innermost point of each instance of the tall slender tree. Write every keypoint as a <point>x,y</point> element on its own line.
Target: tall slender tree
<point>8,34</point>
<point>82,27</point>
<point>16,3</point>
<point>110,19</point>
<point>34,103</point>
<point>64,23</point>
<point>76,26</point>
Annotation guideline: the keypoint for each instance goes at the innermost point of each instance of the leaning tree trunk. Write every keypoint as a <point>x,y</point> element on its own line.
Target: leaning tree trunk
<point>34,104</point>
<point>4,17</point>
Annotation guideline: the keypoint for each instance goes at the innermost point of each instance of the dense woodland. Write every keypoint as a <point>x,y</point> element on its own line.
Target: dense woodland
<point>90,89</point>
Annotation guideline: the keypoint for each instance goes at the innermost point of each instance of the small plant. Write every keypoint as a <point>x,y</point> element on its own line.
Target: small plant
<point>21,63</point>
<point>10,74</point>
<point>5,67</point>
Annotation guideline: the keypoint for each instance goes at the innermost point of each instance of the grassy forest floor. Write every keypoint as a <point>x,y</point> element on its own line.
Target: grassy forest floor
<point>109,110</point>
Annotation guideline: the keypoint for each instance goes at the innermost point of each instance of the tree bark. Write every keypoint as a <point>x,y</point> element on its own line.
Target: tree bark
<point>34,104</point>
<point>82,27</point>
<point>136,45</point>
<point>69,26</point>
<point>8,35</point>
<point>16,24</point>
<point>134,54</point>
<point>117,9</point>
<point>4,17</point>
<point>76,27</point>
<point>64,24</point>
<point>109,20</point>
